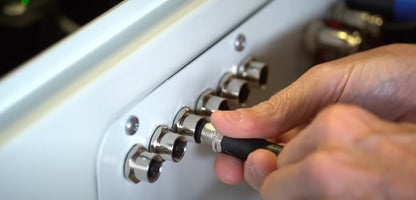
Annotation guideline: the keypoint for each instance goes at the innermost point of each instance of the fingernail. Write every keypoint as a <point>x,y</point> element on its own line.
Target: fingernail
<point>258,173</point>
<point>256,178</point>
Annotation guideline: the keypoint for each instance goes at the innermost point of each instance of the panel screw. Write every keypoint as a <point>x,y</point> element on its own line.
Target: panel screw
<point>240,42</point>
<point>132,125</point>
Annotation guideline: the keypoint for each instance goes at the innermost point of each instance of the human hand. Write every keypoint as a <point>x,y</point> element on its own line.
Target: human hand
<point>346,153</point>
<point>381,80</point>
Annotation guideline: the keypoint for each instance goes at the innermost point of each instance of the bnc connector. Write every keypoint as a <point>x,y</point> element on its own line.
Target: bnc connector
<point>141,165</point>
<point>364,21</point>
<point>320,37</point>
<point>237,147</point>
<point>233,87</point>
<point>208,102</point>
<point>171,146</point>
<point>253,70</point>
<point>187,123</point>
<point>210,136</point>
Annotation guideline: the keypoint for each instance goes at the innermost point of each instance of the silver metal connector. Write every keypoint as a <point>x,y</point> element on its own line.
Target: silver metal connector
<point>235,88</point>
<point>208,102</point>
<point>320,37</point>
<point>253,70</point>
<point>364,21</point>
<point>186,123</point>
<point>171,146</point>
<point>210,136</point>
<point>141,165</point>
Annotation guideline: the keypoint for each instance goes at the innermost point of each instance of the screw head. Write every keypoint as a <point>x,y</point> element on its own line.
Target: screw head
<point>240,42</point>
<point>132,125</point>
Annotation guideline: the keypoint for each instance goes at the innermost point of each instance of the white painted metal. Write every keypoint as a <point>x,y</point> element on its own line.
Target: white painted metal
<point>62,114</point>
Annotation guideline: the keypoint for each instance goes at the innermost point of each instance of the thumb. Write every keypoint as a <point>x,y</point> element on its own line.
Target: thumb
<point>292,106</point>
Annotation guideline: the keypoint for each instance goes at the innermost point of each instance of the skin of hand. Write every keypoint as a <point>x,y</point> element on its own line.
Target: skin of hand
<point>356,134</point>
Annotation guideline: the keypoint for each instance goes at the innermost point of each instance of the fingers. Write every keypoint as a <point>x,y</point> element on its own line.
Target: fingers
<point>288,108</point>
<point>258,166</point>
<point>383,81</point>
<point>286,183</point>
<point>346,80</point>
<point>339,124</point>
<point>354,157</point>
<point>344,125</point>
<point>326,174</point>
<point>289,135</point>
<point>228,169</point>
<point>366,79</point>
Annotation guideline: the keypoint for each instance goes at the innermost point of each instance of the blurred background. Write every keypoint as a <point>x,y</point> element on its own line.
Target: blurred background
<point>29,26</point>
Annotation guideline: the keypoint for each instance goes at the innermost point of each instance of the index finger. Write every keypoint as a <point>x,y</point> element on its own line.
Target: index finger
<point>288,108</point>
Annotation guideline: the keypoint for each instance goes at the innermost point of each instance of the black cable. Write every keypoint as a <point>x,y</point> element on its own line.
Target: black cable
<point>241,148</point>
<point>237,147</point>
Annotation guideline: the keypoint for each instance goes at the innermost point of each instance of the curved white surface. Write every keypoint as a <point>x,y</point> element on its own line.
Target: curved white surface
<point>61,112</point>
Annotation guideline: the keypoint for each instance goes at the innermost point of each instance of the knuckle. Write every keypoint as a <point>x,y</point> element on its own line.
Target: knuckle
<point>321,68</point>
<point>318,168</point>
<point>340,111</point>
<point>269,105</point>
<point>269,109</point>
<point>373,142</point>
<point>343,122</point>
<point>329,71</point>
<point>314,164</point>
<point>332,112</point>
<point>322,170</point>
<point>331,120</point>
<point>339,114</point>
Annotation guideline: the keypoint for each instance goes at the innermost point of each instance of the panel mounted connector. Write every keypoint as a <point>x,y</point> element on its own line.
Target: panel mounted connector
<point>364,21</point>
<point>253,70</point>
<point>233,87</point>
<point>141,165</point>
<point>208,102</point>
<point>187,123</point>
<point>171,146</point>
<point>320,37</point>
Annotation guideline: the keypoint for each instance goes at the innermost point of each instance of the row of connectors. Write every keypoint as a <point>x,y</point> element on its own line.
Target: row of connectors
<point>145,164</point>
<point>342,32</point>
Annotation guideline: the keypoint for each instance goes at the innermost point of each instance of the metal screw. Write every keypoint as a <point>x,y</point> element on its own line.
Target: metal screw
<point>240,42</point>
<point>132,125</point>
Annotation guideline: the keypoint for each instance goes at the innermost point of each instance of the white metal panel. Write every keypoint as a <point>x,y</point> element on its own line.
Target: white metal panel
<point>193,177</point>
<point>51,129</point>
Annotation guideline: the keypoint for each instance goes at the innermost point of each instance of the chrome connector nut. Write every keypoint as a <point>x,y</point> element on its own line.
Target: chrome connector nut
<point>365,22</point>
<point>141,165</point>
<point>320,37</point>
<point>186,123</point>
<point>208,102</point>
<point>210,136</point>
<point>233,87</point>
<point>171,146</point>
<point>253,70</point>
